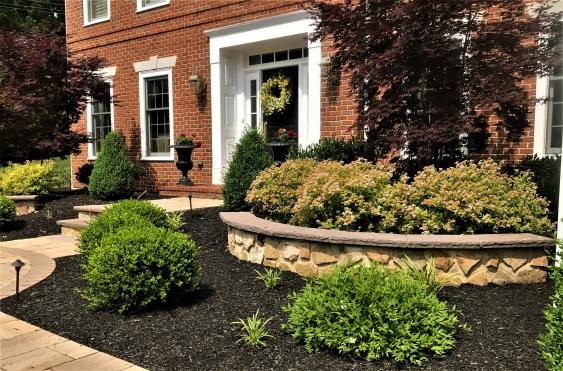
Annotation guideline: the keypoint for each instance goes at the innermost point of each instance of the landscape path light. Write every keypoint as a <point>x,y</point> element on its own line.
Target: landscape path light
<point>18,264</point>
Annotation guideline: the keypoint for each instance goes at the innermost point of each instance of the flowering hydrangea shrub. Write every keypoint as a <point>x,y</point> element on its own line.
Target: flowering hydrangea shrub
<point>345,197</point>
<point>274,192</point>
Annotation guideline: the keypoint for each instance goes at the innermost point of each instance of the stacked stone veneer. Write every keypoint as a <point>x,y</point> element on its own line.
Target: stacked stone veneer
<point>475,259</point>
<point>25,204</point>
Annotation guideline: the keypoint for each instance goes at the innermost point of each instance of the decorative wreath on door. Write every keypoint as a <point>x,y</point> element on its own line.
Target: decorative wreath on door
<point>269,101</point>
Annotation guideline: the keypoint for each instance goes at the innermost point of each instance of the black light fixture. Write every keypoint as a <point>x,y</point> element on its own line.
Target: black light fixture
<point>190,197</point>
<point>18,264</point>
<point>327,70</point>
<point>197,84</point>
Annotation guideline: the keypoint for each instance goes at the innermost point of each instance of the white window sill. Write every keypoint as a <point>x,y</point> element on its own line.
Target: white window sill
<point>149,7</point>
<point>92,158</point>
<point>157,158</point>
<point>96,21</point>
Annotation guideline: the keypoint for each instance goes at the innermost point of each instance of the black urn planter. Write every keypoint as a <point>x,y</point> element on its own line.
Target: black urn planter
<point>280,150</point>
<point>184,162</point>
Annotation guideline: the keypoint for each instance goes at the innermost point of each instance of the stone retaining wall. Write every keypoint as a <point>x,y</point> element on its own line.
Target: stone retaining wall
<point>25,204</point>
<point>475,259</point>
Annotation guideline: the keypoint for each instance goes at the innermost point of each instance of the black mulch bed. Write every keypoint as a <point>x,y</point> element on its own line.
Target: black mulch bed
<point>505,320</point>
<point>53,207</point>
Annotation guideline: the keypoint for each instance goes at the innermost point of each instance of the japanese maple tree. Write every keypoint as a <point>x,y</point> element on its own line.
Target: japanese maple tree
<point>427,74</point>
<point>43,91</point>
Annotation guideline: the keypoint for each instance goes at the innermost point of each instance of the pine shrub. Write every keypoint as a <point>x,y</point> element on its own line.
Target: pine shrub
<point>250,157</point>
<point>123,213</point>
<point>138,267</point>
<point>372,313</point>
<point>114,174</point>
<point>7,211</point>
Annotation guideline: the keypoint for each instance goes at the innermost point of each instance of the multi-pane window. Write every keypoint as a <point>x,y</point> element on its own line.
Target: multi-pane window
<point>555,115</point>
<point>96,10</point>
<point>101,121</point>
<point>254,103</point>
<point>282,55</point>
<point>157,115</point>
<point>147,4</point>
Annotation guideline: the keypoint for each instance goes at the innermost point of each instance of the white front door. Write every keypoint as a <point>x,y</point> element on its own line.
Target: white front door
<point>252,100</point>
<point>229,108</point>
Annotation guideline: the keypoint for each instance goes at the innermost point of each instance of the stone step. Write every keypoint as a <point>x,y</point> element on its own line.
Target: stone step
<point>72,227</point>
<point>89,212</point>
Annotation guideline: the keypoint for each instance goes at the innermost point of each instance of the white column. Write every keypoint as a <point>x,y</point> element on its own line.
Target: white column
<point>314,91</point>
<point>216,146</point>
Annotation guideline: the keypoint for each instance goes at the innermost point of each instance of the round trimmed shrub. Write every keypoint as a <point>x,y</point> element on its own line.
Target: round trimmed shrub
<point>126,212</point>
<point>372,313</point>
<point>141,266</point>
<point>7,211</point>
<point>250,157</point>
<point>274,192</point>
<point>113,175</point>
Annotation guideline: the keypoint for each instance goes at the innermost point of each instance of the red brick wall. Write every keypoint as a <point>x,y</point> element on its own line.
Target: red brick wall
<point>178,29</point>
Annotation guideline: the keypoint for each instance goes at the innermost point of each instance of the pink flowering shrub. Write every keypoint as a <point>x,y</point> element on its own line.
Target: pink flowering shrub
<point>274,192</point>
<point>345,197</point>
<point>469,198</point>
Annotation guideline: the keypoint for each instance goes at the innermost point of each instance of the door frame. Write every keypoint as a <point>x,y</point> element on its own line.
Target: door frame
<point>222,39</point>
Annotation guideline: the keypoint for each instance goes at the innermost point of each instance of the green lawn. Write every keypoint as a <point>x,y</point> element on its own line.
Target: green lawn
<point>62,173</point>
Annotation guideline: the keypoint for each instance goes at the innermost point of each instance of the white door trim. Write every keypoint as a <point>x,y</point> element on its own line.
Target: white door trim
<point>291,24</point>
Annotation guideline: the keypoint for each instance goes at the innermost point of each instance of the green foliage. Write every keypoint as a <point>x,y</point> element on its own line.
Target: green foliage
<point>250,157</point>
<point>546,173</point>
<point>114,174</point>
<point>467,198</point>
<point>61,172</point>
<point>344,197</point>
<point>342,150</point>
<point>84,172</point>
<point>29,178</point>
<point>427,274</point>
<point>253,330</point>
<point>7,211</point>
<point>373,313</point>
<point>139,266</point>
<point>274,192</point>
<point>270,277</point>
<point>551,341</point>
<point>123,213</point>
<point>175,220</point>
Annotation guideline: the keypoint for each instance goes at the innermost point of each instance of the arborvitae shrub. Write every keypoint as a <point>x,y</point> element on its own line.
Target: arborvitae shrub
<point>139,267</point>
<point>250,157</point>
<point>372,313</point>
<point>113,175</point>
<point>126,212</point>
<point>7,211</point>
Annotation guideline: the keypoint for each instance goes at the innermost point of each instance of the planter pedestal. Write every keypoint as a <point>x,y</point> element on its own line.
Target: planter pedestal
<point>280,150</point>
<point>184,162</point>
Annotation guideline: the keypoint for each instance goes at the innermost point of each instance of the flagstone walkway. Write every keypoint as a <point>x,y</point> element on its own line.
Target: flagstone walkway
<point>27,347</point>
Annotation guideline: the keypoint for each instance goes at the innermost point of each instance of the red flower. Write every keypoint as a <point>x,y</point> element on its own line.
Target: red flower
<point>198,144</point>
<point>277,134</point>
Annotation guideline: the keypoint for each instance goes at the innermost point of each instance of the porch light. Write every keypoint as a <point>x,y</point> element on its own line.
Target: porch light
<point>326,70</point>
<point>197,84</point>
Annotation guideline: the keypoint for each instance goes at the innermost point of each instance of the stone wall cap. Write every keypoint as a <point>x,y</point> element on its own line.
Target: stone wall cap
<point>249,222</point>
<point>23,197</point>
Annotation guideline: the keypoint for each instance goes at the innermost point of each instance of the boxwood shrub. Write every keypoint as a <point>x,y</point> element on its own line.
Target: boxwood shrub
<point>250,157</point>
<point>125,212</point>
<point>7,211</point>
<point>372,313</point>
<point>140,266</point>
<point>334,149</point>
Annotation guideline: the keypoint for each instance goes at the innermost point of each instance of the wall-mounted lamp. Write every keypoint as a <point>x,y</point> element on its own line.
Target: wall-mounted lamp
<point>327,70</point>
<point>197,84</point>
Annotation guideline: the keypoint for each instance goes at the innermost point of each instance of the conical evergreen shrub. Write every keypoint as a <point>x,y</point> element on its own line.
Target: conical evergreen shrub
<point>250,157</point>
<point>113,175</point>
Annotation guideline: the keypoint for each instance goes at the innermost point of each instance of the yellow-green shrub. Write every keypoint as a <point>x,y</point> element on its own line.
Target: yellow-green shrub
<point>345,197</point>
<point>467,198</point>
<point>274,192</point>
<point>29,178</point>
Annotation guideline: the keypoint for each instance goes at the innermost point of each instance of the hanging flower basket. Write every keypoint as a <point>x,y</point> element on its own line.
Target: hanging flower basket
<point>275,95</point>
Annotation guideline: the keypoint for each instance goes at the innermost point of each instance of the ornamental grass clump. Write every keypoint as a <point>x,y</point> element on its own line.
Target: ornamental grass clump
<point>345,197</point>
<point>274,192</point>
<point>465,199</point>
<point>372,313</point>
<point>140,266</point>
<point>123,213</point>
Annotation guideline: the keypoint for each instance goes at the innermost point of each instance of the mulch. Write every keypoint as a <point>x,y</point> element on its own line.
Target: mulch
<point>505,320</point>
<point>52,207</point>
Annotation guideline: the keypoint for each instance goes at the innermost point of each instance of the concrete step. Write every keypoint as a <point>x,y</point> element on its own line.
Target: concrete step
<point>72,227</point>
<point>89,212</point>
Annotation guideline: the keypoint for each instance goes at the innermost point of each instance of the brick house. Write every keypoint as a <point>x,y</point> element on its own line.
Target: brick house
<point>195,67</point>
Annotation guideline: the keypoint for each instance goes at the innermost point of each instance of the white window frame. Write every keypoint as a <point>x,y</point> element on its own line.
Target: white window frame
<point>143,75</point>
<point>542,118</point>
<point>86,15</point>
<point>108,74</point>
<point>141,8</point>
